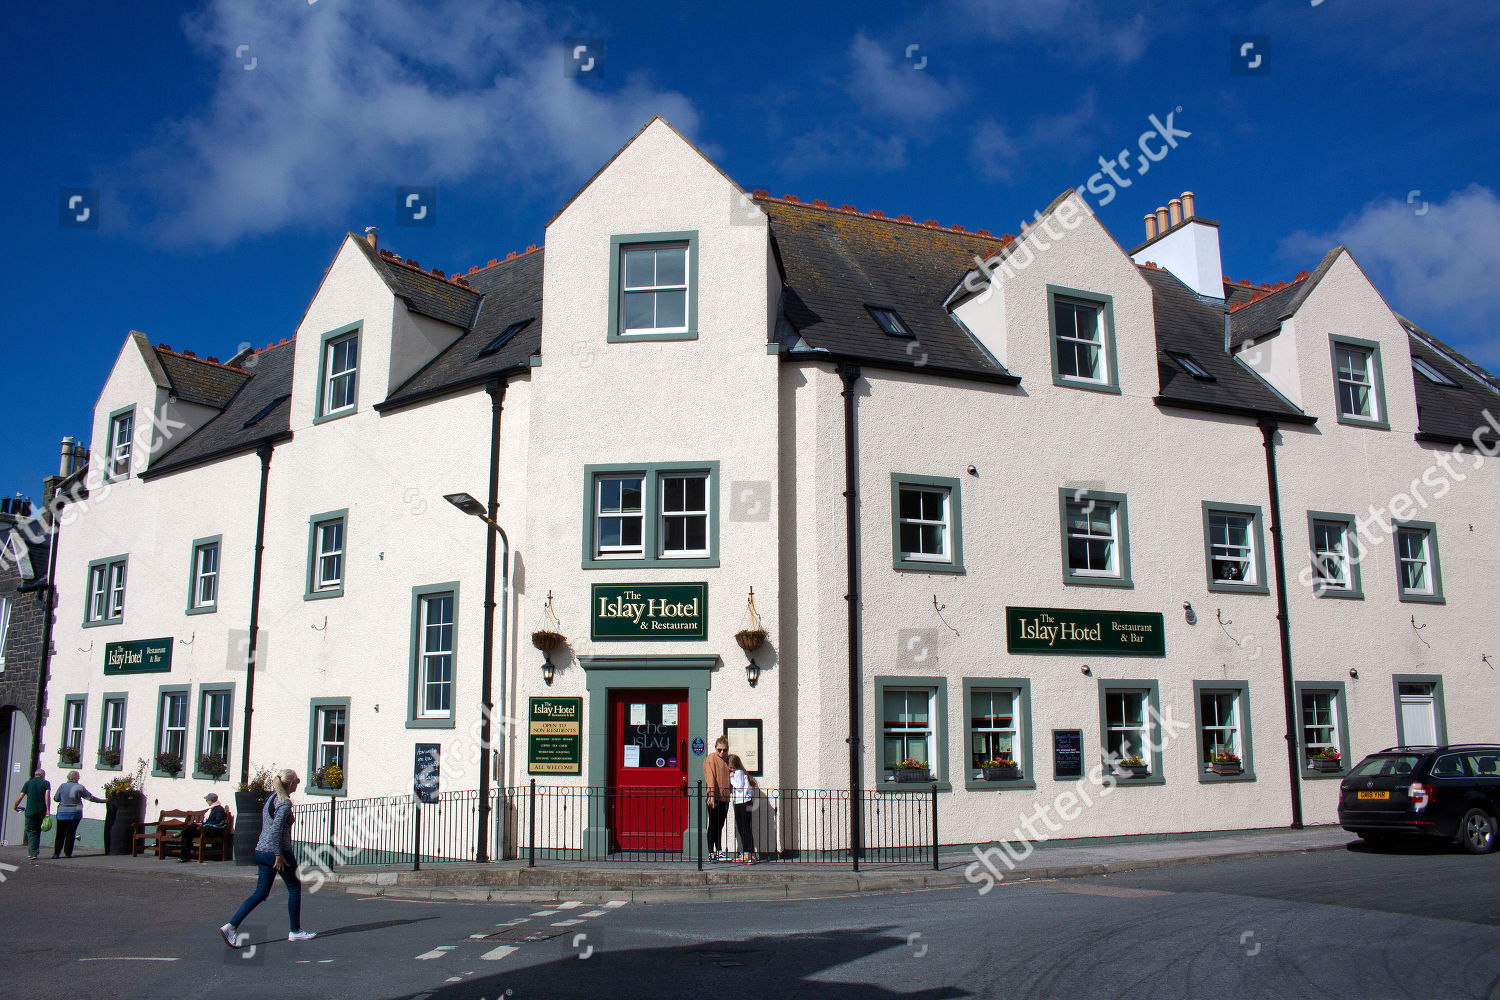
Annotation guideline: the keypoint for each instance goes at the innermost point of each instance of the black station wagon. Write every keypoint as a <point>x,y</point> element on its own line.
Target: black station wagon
<point>1449,792</point>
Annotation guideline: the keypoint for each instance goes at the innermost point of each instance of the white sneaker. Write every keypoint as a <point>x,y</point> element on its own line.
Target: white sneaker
<point>301,936</point>
<point>227,933</point>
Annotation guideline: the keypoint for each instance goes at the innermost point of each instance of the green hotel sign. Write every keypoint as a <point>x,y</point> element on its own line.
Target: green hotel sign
<point>554,736</point>
<point>641,611</point>
<point>1097,633</point>
<point>144,656</point>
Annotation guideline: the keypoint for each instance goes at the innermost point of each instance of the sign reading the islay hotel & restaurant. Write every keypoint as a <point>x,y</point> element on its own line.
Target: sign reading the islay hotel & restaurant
<point>143,656</point>
<point>1097,633</point>
<point>636,611</point>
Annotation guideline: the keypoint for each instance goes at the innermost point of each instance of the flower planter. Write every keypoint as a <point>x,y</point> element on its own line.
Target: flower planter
<point>249,807</point>
<point>121,813</point>
<point>1326,766</point>
<point>751,639</point>
<point>913,774</point>
<point>1227,768</point>
<point>1136,770</point>
<point>1001,773</point>
<point>547,641</point>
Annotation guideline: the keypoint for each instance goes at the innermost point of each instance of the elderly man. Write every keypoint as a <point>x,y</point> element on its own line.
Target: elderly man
<point>34,793</point>
<point>215,819</point>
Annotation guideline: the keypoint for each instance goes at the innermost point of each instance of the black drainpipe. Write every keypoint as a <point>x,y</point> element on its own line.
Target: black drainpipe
<point>264,451</point>
<point>1283,621</point>
<point>850,374</point>
<point>50,606</point>
<point>496,389</point>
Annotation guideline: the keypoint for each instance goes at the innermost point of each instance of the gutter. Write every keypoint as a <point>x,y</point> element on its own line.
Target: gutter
<point>236,449</point>
<point>1283,620</point>
<point>50,612</point>
<point>850,360</point>
<point>849,375</point>
<point>1227,409</point>
<point>451,388</point>
<point>264,453</point>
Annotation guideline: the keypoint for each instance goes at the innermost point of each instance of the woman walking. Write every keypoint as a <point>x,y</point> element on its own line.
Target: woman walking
<point>69,797</point>
<point>273,854</point>
<point>740,784</point>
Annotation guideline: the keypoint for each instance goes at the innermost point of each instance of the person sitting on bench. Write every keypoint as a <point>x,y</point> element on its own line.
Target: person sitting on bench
<point>214,822</point>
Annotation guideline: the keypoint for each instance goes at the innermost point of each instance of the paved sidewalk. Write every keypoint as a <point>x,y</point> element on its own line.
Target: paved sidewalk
<point>663,881</point>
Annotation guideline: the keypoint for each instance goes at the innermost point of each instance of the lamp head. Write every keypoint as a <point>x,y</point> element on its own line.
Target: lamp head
<point>465,503</point>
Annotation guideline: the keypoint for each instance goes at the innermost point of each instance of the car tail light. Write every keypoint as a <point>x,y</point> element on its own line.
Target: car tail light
<point>1420,796</point>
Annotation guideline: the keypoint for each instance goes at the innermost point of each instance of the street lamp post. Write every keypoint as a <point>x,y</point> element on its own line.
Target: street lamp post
<point>469,505</point>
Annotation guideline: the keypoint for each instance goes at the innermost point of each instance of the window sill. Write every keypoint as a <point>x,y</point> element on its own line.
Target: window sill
<point>332,793</point>
<point>1072,383</point>
<point>1370,422</point>
<point>1230,588</point>
<point>693,562</point>
<point>103,622</point>
<point>1422,599</point>
<point>107,767</point>
<point>1125,781</point>
<point>981,785</point>
<point>430,723</point>
<point>1209,778</point>
<point>1098,581</point>
<point>337,415</point>
<point>910,787</point>
<point>322,595</point>
<point>1311,775</point>
<point>1339,595</point>
<point>210,609</point>
<point>165,774</point>
<point>621,338</point>
<point>200,776</point>
<point>922,566</point>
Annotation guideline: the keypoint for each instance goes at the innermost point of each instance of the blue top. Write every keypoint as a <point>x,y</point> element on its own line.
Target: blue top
<point>276,828</point>
<point>69,797</point>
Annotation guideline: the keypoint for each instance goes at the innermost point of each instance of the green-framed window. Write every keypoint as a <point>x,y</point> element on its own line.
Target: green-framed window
<point>653,286</point>
<point>1223,727</point>
<point>112,728</point>
<point>104,596</point>
<point>1358,382</point>
<point>1421,718</point>
<point>215,725</point>
<point>911,721</point>
<point>1130,725</point>
<point>997,720</point>
<point>1083,339</point>
<point>75,712</point>
<point>327,743</point>
<point>120,444</point>
<point>1335,550</point>
<point>651,514</point>
<point>1234,550</point>
<point>327,562</point>
<point>1323,719</point>
<point>927,523</point>
<point>203,576</point>
<point>1095,528</point>
<point>172,727</point>
<point>1419,576</point>
<point>338,373</point>
<point>434,656</point>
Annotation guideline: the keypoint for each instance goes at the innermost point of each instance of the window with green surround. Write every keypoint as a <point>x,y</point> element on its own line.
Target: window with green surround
<point>328,747</point>
<point>215,723</point>
<point>434,643</point>
<point>104,600</point>
<point>1095,538</point>
<point>911,720</point>
<point>112,732</point>
<point>1130,726</point>
<point>997,711</point>
<point>653,286</point>
<point>171,729</point>
<point>927,523</point>
<point>1358,385</point>
<point>1421,717</point>
<point>1083,339</point>
<point>1224,745</point>
<point>338,373</point>
<point>75,707</point>
<point>1419,576</point>
<point>1234,548</point>
<point>1324,727</point>
<point>121,438</point>
<point>203,576</point>
<point>1336,551</point>
<point>326,535</point>
<point>651,514</point>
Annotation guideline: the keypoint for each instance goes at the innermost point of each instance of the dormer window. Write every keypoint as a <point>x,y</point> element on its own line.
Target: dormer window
<point>1358,389</point>
<point>1083,340</point>
<point>653,287</point>
<point>338,374</point>
<point>890,321</point>
<point>121,430</point>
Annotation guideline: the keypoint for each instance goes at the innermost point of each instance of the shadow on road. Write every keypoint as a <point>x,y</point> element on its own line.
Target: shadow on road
<point>375,926</point>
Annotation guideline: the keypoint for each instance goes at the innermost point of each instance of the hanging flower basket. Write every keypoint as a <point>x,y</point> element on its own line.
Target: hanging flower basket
<point>547,641</point>
<point>751,639</point>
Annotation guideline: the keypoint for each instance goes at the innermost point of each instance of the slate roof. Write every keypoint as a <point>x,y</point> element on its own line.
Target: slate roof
<point>265,394</point>
<point>1190,324</point>
<point>837,262</point>
<point>429,294</point>
<point>1265,314</point>
<point>1450,413</point>
<point>198,380</point>
<point>511,291</point>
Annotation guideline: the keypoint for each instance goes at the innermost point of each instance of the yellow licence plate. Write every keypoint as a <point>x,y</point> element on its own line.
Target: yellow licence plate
<point>1374,795</point>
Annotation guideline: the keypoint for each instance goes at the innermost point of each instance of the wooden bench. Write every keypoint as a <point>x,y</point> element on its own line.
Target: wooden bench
<point>217,842</point>
<point>166,832</point>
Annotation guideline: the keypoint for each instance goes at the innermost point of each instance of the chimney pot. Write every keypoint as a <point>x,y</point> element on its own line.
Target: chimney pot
<point>66,468</point>
<point>493,262</point>
<point>1174,211</point>
<point>370,237</point>
<point>164,347</point>
<point>1187,204</point>
<point>1150,225</point>
<point>189,354</point>
<point>1162,224</point>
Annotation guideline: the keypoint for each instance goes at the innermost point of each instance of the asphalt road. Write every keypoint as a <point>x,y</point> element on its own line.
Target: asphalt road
<point>1330,924</point>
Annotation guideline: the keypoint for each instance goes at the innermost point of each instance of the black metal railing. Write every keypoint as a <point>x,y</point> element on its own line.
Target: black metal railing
<point>590,823</point>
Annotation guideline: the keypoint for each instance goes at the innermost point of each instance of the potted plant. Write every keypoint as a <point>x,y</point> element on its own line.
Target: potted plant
<point>1135,767</point>
<point>1226,762</point>
<point>249,800</point>
<point>911,769</point>
<point>124,806</point>
<point>329,776</point>
<point>213,765</point>
<point>549,636</point>
<point>1327,760</point>
<point>109,757</point>
<point>752,636</point>
<point>169,763</point>
<point>67,756</point>
<point>1000,769</point>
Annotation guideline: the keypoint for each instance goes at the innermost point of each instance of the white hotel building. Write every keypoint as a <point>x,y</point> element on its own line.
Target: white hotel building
<point>664,405</point>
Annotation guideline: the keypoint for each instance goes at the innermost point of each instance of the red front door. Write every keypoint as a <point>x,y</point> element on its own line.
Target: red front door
<point>648,736</point>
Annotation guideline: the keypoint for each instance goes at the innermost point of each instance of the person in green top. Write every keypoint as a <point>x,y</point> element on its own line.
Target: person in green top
<point>36,794</point>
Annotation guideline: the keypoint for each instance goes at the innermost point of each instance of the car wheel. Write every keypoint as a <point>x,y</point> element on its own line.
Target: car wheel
<point>1477,832</point>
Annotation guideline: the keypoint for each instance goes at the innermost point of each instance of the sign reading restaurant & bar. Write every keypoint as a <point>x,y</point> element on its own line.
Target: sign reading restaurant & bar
<point>143,656</point>
<point>1099,633</point>
<point>626,611</point>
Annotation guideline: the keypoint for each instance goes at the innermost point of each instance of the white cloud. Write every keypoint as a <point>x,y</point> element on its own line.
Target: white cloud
<point>897,88</point>
<point>348,97</point>
<point>1082,30</point>
<point>1437,267</point>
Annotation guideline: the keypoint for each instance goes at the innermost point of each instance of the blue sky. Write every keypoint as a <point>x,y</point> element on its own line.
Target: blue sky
<point>233,142</point>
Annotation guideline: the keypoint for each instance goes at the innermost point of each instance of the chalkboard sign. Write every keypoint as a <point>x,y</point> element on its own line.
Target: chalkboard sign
<point>425,772</point>
<point>1067,753</point>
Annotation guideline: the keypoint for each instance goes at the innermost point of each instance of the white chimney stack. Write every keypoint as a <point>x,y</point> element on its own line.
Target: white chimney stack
<point>1186,245</point>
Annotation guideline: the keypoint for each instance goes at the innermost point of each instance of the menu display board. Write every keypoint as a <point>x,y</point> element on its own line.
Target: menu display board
<point>1067,753</point>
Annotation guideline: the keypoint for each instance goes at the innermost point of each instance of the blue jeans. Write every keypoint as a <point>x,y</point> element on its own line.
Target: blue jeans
<point>267,863</point>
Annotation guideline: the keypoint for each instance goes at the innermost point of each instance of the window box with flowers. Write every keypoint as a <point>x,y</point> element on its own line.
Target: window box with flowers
<point>330,776</point>
<point>1000,769</point>
<point>212,765</point>
<point>1326,761</point>
<point>68,756</point>
<point>910,770</point>
<point>169,764</point>
<point>1135,767</point>
<point>1225,762</point>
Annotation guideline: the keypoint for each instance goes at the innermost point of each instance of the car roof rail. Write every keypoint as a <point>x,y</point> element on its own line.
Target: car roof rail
<point>1428,747</point>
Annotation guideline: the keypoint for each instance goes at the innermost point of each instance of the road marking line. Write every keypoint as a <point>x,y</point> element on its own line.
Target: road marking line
<point>437,952</point>
<point>512,923</point>
<point>571,904</point>
<point>595,913</point>
<point>565,923</point>
<point>454,979</point>
<point>615,903</point>
<point>499,953</point>
<point>544,913</point>
<point>127,958</point>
